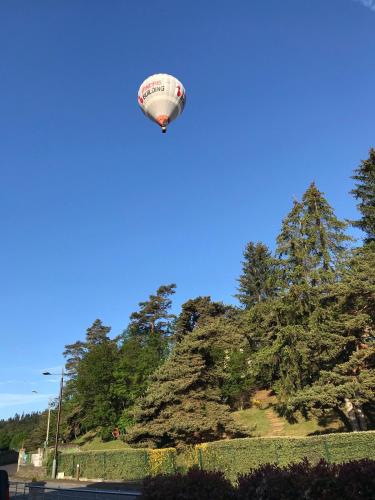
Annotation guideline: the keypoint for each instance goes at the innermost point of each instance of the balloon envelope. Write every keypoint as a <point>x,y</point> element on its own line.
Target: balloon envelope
<point>162,98</point>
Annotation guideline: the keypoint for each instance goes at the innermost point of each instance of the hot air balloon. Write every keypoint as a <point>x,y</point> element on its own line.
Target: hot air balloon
<point>162,98</point>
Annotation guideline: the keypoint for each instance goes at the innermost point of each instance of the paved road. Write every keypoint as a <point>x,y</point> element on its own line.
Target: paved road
<point>63,489</point>
<point>20,492</point>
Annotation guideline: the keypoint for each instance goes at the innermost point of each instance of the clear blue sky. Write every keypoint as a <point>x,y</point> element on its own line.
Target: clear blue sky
<point>98,208</point>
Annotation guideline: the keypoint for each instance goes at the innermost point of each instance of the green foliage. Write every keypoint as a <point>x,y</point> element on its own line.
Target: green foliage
<point>312,240</point>
<point>153,316</point>
<point>95,377</point>
<point>259,277</point>
<point>138,359</point>
<point>364,191</point>
<point>238,456</point>
<point>195,312</point>
<point>128,464</point>
<point>306,331</point>
<point>346,380</point>
<point>19,430</point>
<point>183,404</point>
<point>233,457</point>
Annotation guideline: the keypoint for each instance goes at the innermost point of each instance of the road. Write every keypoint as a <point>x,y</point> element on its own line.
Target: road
<point>52,491</point>
<point>74,490</point>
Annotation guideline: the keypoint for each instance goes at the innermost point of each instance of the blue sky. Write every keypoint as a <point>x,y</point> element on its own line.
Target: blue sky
<point>98,208</point>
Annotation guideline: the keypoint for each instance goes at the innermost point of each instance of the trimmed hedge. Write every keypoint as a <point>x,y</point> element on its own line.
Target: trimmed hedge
<point>132,464</point>
<point>238,456</point>
<point>232,457</point>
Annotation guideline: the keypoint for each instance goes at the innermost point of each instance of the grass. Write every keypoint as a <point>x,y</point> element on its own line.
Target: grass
<point>254,417</point>
<point>97,444</point>
<point>260,418</point>
<point>92,442</point>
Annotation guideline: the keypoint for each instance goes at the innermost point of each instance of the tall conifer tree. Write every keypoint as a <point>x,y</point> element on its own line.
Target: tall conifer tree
<point>312,240</point>
<point>183,404</point>
<point>258,280</point>
<point>364,191</point>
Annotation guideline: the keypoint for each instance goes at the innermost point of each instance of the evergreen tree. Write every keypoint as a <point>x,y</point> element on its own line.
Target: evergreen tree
<point>153,316</point>
<point>364,191</point>
<point>74,354</point>
<point>312,241</point>
<point>138,360</point>
<point>258,281</point>
<point>195,312</point>
<point>97,333</point>
<point>183,404</point>
<point>346,349</point>
<point>99,406</point>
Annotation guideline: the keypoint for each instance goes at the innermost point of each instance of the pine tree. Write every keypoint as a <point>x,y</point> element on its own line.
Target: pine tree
<point>258,281</point>
<point>195,312</point>
<point>97,333</point>
<point>183,404</point>
<point>365,192</point>
<point>74,354</point>
<point>345,348</point>
<point>312,241</point>
<point>153,316</point>
<point>99,406</point>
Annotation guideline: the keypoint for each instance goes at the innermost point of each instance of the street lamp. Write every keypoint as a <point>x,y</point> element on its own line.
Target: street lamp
<point>48,422</point>
<point>54,463</point>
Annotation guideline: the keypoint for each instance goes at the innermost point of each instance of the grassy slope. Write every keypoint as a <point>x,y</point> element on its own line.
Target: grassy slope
<point>264,419</point>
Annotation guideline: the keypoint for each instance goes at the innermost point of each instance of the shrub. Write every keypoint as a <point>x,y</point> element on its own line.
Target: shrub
<point>323,481</point>
<point>128,464</point>
<point>194,485</point>
<point>238,456</point>
<point>356,479</point>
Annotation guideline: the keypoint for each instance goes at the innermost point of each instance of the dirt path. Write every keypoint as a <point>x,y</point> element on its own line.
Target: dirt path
<point>277,424</point>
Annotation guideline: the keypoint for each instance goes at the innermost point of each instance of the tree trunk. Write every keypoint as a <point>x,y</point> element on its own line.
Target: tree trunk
<point>343,417</point>
<point>351,414</point>
<point>361,417</point>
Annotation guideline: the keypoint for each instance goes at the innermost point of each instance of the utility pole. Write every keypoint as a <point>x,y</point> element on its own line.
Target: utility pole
<point>48,422</point>
<point>54,462</point>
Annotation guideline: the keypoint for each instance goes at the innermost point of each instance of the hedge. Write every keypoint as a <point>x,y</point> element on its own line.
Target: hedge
<point>238,456</point>
<point>233,457</point>
<point>129,464</point>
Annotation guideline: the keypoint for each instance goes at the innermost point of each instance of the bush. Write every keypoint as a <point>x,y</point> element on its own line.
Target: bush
<point>238,456</point>
<point>323,481</point>
<point>194,485</point>
<point>356,479</point>
<point>128,464</point>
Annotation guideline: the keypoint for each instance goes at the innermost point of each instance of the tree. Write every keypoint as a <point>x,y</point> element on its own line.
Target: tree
<point>95,377</point>
<point>74,354</point>
<point>364,191</point>
<point>153,316</point>
<point>138,360</point>
<point>183,404</point>
<point>195,312</point>
<point>97,333</point>
<point>346,379</point>
<point>312,241</point>
<point>258,280</point>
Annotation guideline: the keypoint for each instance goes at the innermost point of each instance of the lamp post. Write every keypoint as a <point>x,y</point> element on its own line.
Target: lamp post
<point>48,422</point>
<point>54,463</point>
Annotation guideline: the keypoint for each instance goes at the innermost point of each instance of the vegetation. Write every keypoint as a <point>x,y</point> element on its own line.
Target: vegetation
<point>232,457</point>
<point>355,479</point>
<point>194,485</point>
<point>128,464</point>
<point>21,430</point>
<point>305,330</point>
<point>238,456</point>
